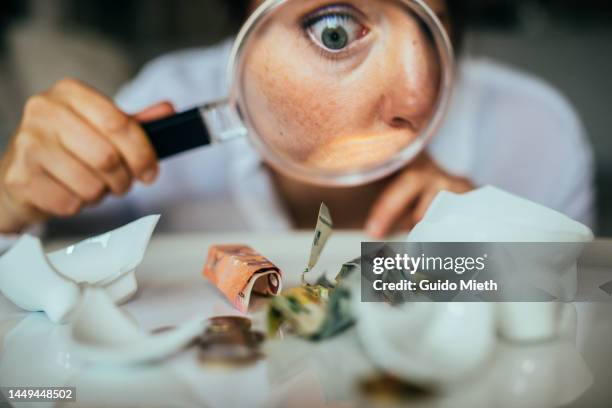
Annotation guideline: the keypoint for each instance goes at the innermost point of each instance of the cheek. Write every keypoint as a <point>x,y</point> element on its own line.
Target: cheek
<point>298,106</point>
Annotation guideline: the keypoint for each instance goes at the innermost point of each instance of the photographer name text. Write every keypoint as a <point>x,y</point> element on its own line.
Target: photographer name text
<point>425,285</point>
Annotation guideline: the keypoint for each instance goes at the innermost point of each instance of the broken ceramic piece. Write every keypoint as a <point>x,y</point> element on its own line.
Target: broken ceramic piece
<point>493,215</point>
<point>108,260</point>
<point>427,343</point>
<point>50,283</point>
<point>442,343</point>
<point>102,333</point>
<point>32,283</point>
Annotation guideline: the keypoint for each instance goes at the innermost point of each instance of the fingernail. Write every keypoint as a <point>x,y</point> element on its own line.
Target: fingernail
<point>149,176</point>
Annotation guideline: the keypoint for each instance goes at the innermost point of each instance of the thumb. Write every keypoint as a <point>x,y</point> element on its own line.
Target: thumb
<point>154,112</point>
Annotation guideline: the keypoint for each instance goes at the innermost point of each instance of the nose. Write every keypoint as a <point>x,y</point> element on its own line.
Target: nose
<point>412,82</point>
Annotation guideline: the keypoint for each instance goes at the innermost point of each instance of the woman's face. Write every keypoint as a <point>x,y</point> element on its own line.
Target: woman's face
<point>341,86</point>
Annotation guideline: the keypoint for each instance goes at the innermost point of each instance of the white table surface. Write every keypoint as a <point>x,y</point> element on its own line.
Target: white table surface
<point>295,373</point>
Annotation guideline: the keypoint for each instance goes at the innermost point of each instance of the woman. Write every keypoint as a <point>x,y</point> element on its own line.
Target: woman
<point>74,146</point>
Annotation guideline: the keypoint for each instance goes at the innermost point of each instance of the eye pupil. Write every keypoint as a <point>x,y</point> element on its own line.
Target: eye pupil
<point>335,38</point>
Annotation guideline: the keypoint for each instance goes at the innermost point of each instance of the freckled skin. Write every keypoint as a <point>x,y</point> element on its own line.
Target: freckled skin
<point>313,109</point>
<point>341,114</point>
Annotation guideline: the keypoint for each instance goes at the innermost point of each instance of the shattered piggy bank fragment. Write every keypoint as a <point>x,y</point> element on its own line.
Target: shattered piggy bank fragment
<point>32,283</point>
<point>443,342</point>
<point>36,281</point>
<point>492,215</point>
<point>102,333</point>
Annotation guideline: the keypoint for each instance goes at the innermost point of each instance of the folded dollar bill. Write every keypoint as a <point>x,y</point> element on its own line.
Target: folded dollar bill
<point>300,310</point>
<point>315,312</point>
<point>238,271</point>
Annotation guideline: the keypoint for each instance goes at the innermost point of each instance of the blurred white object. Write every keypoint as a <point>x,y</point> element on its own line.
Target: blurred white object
<point>103,333</point>
<point>37,282</point>
<point>427,343</point>
<point>441,343</point>
<point>492,215</point>
<point>534,321</point>
<point>37,342</point>
<point>29,281</point>
<point>108,260</point>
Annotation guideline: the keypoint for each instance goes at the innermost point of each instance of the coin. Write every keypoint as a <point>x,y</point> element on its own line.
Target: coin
<point>228,354</point>
<point>256,337</point>
<point>227,323</point>
<point>229,341</point>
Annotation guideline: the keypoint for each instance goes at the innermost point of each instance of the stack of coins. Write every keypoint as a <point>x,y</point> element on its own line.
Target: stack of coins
<point>230,341</point>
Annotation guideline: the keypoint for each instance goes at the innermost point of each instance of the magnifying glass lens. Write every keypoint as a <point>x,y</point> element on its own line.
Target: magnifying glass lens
<point>342,93</point>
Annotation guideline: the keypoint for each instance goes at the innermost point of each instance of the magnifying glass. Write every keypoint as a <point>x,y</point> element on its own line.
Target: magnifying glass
<point>330,93</point>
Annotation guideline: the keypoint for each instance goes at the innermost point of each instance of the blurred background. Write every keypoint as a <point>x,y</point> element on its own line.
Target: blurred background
<point>104,42</point>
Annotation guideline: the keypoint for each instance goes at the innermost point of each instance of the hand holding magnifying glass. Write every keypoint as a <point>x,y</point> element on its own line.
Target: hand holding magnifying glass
<point>331,94</point>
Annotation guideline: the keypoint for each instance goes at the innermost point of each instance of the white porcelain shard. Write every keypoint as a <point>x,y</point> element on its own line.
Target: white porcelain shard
<point>29,281</point>
<point>427,343</point>
<point>442,343</point>
<point>493,215</point>
<point>102,333</point>
<point>108,260</point>
<point>50,283</point>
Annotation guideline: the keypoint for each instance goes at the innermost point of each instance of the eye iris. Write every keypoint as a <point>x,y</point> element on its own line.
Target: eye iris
<point>335,38</point>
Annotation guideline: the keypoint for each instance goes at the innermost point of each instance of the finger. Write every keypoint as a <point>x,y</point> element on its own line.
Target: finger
<point>157,111</point>
<point>392,203</point>
<point>22,214</point>
<point>423,205</point>
<point>120,129</point>
<point>91,148</point>
<point>50,197</point>
<point>72,174</point>
<point>412,215</point>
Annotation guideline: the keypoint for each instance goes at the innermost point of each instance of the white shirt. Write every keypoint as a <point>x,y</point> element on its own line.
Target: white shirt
<point>504,128</point>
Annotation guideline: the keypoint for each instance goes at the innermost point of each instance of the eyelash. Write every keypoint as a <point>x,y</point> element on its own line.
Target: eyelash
<point>339,11</point>
<point>342,11</point>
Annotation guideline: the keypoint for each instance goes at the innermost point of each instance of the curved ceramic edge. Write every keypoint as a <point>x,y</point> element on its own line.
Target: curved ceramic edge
<point>428,344</point>
<point>109,249</point>
<point>102,333</point>
<point>476,217</point>
<point>123,289</point>
<point>98,321</point>
<point>150,348</point>
<point>482,206</point>
<point>31,282</point>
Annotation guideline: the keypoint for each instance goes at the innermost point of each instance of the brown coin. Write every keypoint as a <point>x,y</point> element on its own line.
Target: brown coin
<point>385,387</point>
<point>228,323</point>
<point>256,338</point>
<point>228,354</point>
<point>236,337</point>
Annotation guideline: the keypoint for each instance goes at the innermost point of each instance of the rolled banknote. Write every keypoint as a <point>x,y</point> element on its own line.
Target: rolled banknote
<point>238,271</point>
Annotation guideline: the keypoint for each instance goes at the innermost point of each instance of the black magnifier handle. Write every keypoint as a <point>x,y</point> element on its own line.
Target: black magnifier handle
<point>178,133</point>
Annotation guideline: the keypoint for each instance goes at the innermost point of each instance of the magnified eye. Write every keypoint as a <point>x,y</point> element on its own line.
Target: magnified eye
<point>335,31</point>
